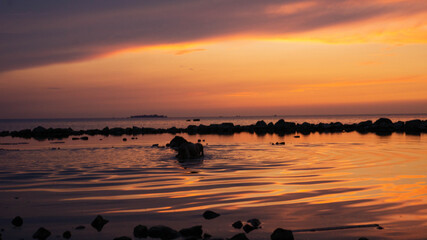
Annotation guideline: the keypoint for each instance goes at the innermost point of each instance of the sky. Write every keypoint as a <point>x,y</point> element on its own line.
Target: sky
<point>62,59</point>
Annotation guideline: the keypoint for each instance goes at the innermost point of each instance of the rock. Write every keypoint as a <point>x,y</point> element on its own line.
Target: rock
<point>282,234</point>
<point>296,136</point>
<point>413,125</point>
<point>140,231</point>
<point>75,138</point>
<point>98,223</point>
<point>84,138</point>
<point>66,235</point>
<point>176,142</point>
<point>237,225</point>
<point>363,238</point>
<point>163,232</point>
<point>125,139</point>
<point>248,228</point>
<point>206,236</point>
<point>196,120</point>
<point>210,215</point>
<point>255,222</point>
<point>17,221</point>
<point>383,125</point>
<point>240,236</point>
<point>195,231</point>
<point>41,234</point>
<point>190,151</point>
<point>80,227</point>
<point>123,238</point>
<point>261,124</point>
<point>155,145</point>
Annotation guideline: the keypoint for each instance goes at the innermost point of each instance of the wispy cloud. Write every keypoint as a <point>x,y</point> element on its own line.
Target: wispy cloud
<point>37,33</point>
<point>186,51</point>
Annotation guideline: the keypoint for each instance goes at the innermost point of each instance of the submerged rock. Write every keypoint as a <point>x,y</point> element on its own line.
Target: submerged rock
<point>190,151</point>
<point>195,232</point>
<point>81,227</point>
<point>248,228</point>
<point>41,234</point>
<point>237,224</point>
<point>66,235</point>
<point>17,221</point>
<point>123,238</point>
<point>176,142</point>
<point>282,234</point>
<point>162,232</point>
<point>240,236</point>
<point>210,215</point>
<point>140,231</point>
<point>98,223</point>
<point>255,222</point>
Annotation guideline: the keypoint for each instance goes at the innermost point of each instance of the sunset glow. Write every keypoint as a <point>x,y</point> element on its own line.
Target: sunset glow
<point>293,57</point>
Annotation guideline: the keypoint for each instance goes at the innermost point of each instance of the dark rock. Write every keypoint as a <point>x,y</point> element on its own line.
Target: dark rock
<point>155,145</point>
<point>163,232</point>
<point>413,125</point>
<point>363,238</point>
<point>195,231</point>
<point>98,223</point>
<point>80,227</point>
<point>17,221</point>
<point>261,124</point>
<point>282,234</point>
<point>196,120</point>
<point>240,236</point>
<point>176,142</point>
<point>125,139</point>
<point>383,125</point>
<point>123,238</point>
<point>140,231</point>
<point>41,234</point>
<point>206,236</point>
<point>364,126</point>
<point>254,222</point>
<point>190,151</point>
<point>248,228</point>
<point>75,138</point>
<point>84,138</point>
<point>66,235</point>
<point>237,224</point>
<point>210,215</point>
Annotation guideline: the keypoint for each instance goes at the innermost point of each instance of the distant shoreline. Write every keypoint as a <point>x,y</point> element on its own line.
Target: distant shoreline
<point>382,126</point>
<point>148,116</point>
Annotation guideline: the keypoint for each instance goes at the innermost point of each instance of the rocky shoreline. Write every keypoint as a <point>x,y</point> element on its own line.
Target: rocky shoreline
<point>382,126</point>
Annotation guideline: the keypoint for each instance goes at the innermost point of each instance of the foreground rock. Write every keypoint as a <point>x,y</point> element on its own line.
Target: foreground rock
<point>194,232</point>
<point>240,236</point>
<point>140,231</point>
<point>98,223</point>
<point>66,235</point>
<point>41,234</point>
<point>162,232</point>
<point>17,221</point>
<point>282,234</point>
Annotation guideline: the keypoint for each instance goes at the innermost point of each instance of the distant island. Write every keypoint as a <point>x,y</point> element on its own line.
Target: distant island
<point>149,116</point>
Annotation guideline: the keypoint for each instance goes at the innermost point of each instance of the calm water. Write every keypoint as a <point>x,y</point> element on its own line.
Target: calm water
<point>319,180</point>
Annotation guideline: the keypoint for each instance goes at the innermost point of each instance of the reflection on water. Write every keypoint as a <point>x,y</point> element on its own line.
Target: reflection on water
<point>318,180</point>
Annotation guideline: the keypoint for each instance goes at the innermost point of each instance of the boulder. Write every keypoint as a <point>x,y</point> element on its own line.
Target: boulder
<point>41,234</point>
<point>140,231</point>
<point>162,232</point>
<point>194,232</point>
<point>282,234</point>
<point>248,228</point>
<point>237,225</point>
<point>240,236</point>
<point>383,125</point>
<point>254,222</point>
<point>66,235</point>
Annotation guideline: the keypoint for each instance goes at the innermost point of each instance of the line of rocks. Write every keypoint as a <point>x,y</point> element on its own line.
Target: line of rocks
<point>167,233</point>
<point>381,126</point>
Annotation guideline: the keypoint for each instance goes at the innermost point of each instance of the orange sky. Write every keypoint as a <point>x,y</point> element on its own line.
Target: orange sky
<point>372,65</point>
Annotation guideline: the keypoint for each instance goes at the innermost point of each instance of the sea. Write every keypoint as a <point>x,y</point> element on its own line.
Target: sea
<point>320,185</point>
